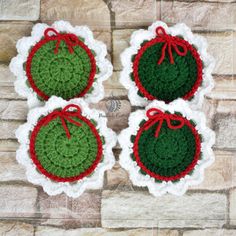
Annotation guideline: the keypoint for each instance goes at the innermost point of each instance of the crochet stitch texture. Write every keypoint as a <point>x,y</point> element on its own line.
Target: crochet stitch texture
<point>59,66</point>
<point>172,154</point>
<point>64,158</point>
<point>162,71</point>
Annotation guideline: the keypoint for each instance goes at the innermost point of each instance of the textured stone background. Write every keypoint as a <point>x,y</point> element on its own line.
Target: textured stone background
<point>119,208</point>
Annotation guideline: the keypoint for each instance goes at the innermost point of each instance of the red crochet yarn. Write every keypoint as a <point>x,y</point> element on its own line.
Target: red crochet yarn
<point>44,121</point>
<point>65,114</point>
<point>71,41</point>
<point>183,173</point>
<point>170,41</point>
<point>156,115</point>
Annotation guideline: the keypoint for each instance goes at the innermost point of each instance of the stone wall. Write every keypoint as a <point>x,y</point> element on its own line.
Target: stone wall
<point>120,208</point>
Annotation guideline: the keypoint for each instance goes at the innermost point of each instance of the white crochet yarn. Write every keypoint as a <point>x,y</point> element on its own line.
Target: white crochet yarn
<point>24,45</point>
<point>75,189</point>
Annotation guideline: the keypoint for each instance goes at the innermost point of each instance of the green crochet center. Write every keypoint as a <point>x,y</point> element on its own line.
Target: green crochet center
<point>167,81</point>
<point>63,74</point>
<point>65,157</point>
<point>168,154</point>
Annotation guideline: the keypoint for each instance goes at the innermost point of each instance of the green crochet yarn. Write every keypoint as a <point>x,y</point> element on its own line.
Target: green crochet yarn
<point>65,157</point>
<point>170,153</point>
<point>63,74</point>
<point>167,81</point>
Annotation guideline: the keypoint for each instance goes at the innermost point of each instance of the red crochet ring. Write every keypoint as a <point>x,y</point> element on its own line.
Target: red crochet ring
<point>169,41</point>
<point>44,121</point>
<point>192,164</point>
<point>71,41</point>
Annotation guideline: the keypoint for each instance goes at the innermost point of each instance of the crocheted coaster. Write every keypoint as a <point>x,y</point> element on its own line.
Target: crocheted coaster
<point>166,63</point>
<point>65,146</point>
<point>60,60</point>
<point>167,67</point>
<point>60,64</point>
<point>167,146</point>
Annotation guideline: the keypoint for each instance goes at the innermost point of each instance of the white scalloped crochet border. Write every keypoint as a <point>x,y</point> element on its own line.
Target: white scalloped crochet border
<point>177,188</point>
<point>24,44</point>
<point>95,180</point>
<point>137,39</point>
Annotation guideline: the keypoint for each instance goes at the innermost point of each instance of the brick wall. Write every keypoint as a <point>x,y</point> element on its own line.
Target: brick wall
<point>120,208</point>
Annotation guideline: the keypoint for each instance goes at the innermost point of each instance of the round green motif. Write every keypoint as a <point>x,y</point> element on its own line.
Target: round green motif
<point>62,74</point>
<point>65,157</point>
<point>170,153</point>
<point>167,81</point>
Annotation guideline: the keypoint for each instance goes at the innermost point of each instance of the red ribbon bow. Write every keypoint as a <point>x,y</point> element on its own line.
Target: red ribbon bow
<point>65,114</point>
<point>156,115</point>
<point>170,42</point>
<point>71,40</point>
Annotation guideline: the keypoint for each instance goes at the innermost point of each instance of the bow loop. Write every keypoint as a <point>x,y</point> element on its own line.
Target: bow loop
<point>66,110</point>
<point>155,115</point>
<point>180,48</point>
<point>48,31</point>
<point>169,43</point>
<point>160,32</point>
<point>66,114</point>
<point>71,40</point>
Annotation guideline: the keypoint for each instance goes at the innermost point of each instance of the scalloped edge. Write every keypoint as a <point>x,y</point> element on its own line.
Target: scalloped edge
<point>24,45</point>
<point>137,39</point>
<point>76,188</point>
<point>175,188</point>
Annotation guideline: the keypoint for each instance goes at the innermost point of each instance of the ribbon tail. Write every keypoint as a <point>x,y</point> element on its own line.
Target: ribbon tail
<point>69,46</point>
<point>170,54</point>
<point>149,124</point>
<point>158,128</point>
<point>57,46</point>
<point>71,50</point>
<point>65,127</point>
<point>163,52</point>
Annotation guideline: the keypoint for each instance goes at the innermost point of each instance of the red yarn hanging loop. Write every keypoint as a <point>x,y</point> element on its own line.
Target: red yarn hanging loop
<point>65,114</point>
<point>71,40</point>
<point>169,43</point>
<point>156,115</point>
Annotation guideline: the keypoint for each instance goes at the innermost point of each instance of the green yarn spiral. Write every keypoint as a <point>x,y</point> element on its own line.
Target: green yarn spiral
<point>170,153</point>
<point>63,74</point>
<point>167,81</point>
<point>65,157</point>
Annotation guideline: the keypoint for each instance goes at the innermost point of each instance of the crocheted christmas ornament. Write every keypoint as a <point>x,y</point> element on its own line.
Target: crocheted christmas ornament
<point>166,147</point>
<point>167,68</point>
<point>60,60</point>
<point>165,64</point>
<point>66,147</point>
<point>60,64</point>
